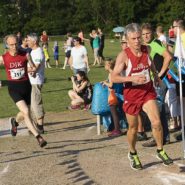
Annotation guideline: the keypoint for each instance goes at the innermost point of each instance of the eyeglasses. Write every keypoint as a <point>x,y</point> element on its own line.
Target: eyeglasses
<point>12,45</point>
<point>123,43</point>
<point>174,26</point>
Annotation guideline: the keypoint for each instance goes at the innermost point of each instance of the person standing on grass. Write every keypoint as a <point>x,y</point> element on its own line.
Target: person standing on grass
<point>19,87</point>
<point>139,92</point>
<point>56,53</point>
<point>37,81</point>
<point>68,46</point>
<point>44,39</point>
<point>79,59</point>
<point>102,44</point>
<point>96,46</point>
<point>46,56</point>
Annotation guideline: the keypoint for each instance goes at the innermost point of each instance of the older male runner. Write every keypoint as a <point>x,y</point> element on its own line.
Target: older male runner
<point>139,92</point>
<point>19,86</point>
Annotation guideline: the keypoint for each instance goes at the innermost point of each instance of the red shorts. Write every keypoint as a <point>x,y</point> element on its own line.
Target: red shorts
<point>135,107</point>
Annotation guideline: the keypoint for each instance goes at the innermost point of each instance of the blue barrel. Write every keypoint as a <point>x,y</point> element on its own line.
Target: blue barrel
<point>100,104</point>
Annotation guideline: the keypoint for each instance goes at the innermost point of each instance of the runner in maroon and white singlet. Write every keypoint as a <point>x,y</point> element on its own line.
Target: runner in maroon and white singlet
<point>139,93</point>
<point>19,87</point>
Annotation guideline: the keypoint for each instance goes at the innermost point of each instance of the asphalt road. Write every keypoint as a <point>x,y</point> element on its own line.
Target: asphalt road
<point>75,154</point>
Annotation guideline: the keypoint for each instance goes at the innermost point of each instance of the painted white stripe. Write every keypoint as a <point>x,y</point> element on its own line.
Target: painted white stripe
<point>90,128</point>
<point>5,170</point>
<point>169,178</point>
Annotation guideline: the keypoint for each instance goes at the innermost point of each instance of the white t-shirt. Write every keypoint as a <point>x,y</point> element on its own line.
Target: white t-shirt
<point>37,56</point>
<point>69,43</point>
<point>162,38</point>
<point>78,57</point>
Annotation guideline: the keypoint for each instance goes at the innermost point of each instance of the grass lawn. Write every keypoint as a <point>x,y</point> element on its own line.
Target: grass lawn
<point>55,89</point>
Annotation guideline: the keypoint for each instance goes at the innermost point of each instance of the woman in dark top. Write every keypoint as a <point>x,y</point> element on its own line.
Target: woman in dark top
<point>82,91</point>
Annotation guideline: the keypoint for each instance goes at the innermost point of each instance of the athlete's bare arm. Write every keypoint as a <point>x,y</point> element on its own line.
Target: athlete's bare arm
<point>121,63</point>
<point>167,59</point>
<point>1,60</point>
<point>154,71</point>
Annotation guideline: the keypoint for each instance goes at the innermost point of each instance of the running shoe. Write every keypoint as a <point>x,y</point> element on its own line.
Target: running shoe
<point>14,126</point>
<point>115,133</point>
<point>74,107</point>
<point>135,163</point>
<point>150,143</point>
<point>164,158</point>
<point>41,141</point>
<point>141,136</point>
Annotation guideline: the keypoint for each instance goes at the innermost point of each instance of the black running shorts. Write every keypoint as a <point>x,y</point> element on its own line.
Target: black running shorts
<point>20,91</point>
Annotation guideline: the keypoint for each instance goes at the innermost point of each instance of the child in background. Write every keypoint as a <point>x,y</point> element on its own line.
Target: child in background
<point>56,53</point>
<point>68,44</point>
<point>109,66</point>
<point>46,55</point>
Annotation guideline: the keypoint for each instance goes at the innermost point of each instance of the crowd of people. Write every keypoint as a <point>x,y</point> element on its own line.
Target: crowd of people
<point>141,66</point>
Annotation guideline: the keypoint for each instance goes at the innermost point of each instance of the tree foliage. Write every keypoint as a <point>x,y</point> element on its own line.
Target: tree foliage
<point>60,16</point>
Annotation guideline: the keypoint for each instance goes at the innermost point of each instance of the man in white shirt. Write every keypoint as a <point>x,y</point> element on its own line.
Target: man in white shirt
<point>79,59</point>
<point>37,80</point>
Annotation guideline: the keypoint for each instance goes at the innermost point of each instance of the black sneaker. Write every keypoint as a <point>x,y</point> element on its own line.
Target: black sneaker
<point>178,136</point>
<point>135,163</point>
<point>14,126</point>
<point>141,136</point>
<point>41,141</point>
<point>164,158</point>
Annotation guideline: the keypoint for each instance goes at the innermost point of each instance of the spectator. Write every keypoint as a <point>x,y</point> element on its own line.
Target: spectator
<point>68,46</point>
<point>79,59</point>
<point>19,38</point>
<point>160,35</point>
<point>37,81</point>
<point>82,91</point>
<point>44,38</point>
<point>24,46</point>
<point>180,23</point>
<point>46,56</point>
<point>161,58</point>
<point>109,66</point>
<point>56,53</point>
<point>101,47</point>
<point>96,46</point>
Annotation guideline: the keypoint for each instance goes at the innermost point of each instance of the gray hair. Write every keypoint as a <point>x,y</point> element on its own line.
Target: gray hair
<point>34,37</point>
<point>9,36</point>
<point>133,27</point>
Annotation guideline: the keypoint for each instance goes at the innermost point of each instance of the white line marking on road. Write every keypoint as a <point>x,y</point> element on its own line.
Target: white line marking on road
<point>5,170</point>
<point>169,178</point>
<point>90,128</point>
<point>179,164</point>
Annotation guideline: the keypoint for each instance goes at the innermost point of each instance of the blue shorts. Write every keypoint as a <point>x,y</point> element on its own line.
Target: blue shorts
<point>55,57</point>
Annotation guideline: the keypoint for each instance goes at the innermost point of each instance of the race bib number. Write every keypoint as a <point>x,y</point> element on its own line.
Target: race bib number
<point>17,74</point>
<point>145,73</point>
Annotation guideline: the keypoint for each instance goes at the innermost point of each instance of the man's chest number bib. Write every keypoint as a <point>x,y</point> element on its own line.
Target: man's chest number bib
<point>17,74</point>
<point>145,73</point>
